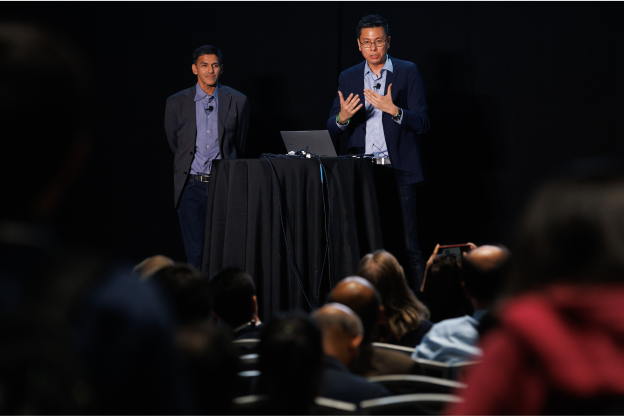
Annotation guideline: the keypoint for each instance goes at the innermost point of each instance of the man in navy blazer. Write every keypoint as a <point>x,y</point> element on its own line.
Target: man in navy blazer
<point>205,122</point>
<point>381,104</point>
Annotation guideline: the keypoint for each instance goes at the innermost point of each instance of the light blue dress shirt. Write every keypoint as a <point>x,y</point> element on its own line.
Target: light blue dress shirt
<point>207,140</point>
<point>452,340</point>
<point>375,137</point>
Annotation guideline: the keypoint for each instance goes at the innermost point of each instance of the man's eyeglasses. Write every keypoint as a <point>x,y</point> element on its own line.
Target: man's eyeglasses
<point>378,42</point>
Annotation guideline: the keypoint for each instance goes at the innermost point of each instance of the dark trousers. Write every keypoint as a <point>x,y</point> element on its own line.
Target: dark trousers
<point>192,213</point>
<point>416,262</point>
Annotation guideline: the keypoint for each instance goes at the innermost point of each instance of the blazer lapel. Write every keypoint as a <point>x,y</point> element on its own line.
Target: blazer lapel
<point>189,109</point>
<point>225,99</point>
<point>390,77</point>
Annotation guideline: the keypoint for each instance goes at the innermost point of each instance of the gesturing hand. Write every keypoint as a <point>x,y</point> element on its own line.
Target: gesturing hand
<point>382,102</point>
<point>349,106</point>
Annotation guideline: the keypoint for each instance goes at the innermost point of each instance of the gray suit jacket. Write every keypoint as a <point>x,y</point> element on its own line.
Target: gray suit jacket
<point>181,130</point>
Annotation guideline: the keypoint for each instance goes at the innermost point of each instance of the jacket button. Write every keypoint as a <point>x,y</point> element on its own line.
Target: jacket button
<point>191,153</point>
<point>184,173</point>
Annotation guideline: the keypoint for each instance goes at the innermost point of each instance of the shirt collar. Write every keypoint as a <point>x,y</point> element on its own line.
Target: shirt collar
<point>201,94</point>
<point>387,66</point>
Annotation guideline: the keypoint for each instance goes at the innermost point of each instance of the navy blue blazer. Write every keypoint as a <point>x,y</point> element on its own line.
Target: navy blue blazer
<point>340,384</point>
<point>408,93</point>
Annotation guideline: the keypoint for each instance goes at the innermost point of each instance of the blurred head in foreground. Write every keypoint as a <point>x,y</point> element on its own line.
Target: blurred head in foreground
<point>290,363</point>
<point>560,335</point>
<point>45,121</point>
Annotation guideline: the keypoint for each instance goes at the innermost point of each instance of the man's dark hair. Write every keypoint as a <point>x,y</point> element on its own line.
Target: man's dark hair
<point>231,293</point>
<point>486,283</point>
<point>443,292</point>
<point>370,21</point>
<point>213,363</point>
<point>290,363</point>
<point>187,290</point>
<point>572,230</point>
<point>207,50</point>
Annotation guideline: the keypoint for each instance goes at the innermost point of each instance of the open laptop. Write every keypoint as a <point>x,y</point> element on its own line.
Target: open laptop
<point>312,141</point>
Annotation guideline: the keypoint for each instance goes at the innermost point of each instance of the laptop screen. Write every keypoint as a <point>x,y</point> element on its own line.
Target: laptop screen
<point>312,141</point>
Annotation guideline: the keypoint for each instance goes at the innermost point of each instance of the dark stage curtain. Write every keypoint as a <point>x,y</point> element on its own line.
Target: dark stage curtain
<point>243,227</point>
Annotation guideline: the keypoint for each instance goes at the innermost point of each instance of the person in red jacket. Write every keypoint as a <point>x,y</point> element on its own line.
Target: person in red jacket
<point>559,343</point>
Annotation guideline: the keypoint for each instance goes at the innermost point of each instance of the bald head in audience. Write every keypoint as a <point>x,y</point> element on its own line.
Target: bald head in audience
<point>342,331</point>
<point>361,296</point>
<point>151,265</point>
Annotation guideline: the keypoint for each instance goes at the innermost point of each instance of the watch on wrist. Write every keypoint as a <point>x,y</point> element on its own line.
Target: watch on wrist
<point>398,115</point>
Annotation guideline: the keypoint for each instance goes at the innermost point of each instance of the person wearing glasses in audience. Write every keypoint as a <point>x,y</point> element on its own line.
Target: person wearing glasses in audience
<point>205,122</point>
<point>381,104</point>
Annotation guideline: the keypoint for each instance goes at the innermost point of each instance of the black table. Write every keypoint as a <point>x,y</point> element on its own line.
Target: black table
<point>244,229</point>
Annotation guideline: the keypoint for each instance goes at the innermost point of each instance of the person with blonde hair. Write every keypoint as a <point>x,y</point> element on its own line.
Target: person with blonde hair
<point>406,318</point>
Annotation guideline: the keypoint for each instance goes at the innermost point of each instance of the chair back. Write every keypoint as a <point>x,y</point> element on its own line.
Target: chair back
<point>246,382</point>
<point>412,384</point>
<point>393,347</point>
<point>248,362</point>
<point>409,404</point>
<point>246,346</point>
<point>261,405</point>
<point>436,369</point>
<point>325,406</point>
<point>250,405</point>
<point>460,369</point>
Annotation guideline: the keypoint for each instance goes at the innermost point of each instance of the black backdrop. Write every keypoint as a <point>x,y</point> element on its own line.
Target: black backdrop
<point>513,89</point>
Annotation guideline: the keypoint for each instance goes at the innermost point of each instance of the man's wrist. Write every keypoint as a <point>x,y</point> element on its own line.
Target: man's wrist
<point>398,114</point>
<point>341,121</point>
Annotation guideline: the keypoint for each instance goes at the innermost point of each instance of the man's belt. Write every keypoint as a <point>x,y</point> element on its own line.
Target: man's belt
<point>381,161</point>
<point>201,178</point>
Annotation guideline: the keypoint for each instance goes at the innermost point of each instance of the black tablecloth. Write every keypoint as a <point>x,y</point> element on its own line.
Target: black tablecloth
<point>243,226</point>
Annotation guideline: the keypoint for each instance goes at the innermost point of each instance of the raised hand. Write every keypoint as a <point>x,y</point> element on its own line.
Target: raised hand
<point>382,102</point>
<point>349,106</point>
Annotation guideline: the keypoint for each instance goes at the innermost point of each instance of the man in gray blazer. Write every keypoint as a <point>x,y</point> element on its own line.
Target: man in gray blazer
<point>205,122</point>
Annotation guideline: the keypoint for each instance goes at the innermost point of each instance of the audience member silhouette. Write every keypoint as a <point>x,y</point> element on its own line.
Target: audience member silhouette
<point>233,299</point>
<point>213,363</point>
<point>454,340</point>
<point>342,334</point>
<point>558,347</point>
<point>442,289</point>
<point>361,296</point>
<point>187,291</point>
<point>291,365</point>
<point>405,316</point>
<point>80,333</point>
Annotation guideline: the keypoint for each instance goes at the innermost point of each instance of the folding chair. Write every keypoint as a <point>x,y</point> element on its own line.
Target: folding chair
<point>248,362</point>
<point>246,381</point>
<point>325,406</point>
<point>458,370</point>
<point>409,404</point>
<point>412,384</point>
<point>260,405</point>
<point>392,347</point>
<point>434,368</point>
<point>246,346</point>
<point>251,342</point>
